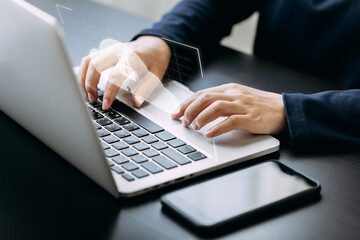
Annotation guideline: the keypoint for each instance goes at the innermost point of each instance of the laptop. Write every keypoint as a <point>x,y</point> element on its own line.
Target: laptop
<point>127,151</point>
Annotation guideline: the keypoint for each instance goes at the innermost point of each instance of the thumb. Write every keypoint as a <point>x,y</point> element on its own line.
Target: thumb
<point>144,88</point>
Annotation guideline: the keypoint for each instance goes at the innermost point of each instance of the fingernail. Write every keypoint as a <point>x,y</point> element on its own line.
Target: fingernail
<point>184,122</point>
<point>209,134</point>
<point>196,127</point>
<point>177,110</point>
<point>139,99</point>
<point>105,104</point>
<point>91,97</point>
<point>175,115</point>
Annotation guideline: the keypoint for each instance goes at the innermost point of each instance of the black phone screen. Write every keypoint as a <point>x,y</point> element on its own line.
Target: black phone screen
<point>237,193</point>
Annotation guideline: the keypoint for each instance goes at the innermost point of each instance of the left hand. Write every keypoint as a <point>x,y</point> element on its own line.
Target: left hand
<point>248,109</point>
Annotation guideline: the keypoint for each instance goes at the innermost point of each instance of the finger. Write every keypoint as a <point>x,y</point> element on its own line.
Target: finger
<point>216,110</point>
<point>202,102</point>
<point>190,99</point>
<point>99,62</point>
<point>181,110</point>
<point>116,78</point>
<point>144,88</point>
<point>84,64</point>
<point>233,122</point>
<point>82,70</point>
<point>109,95</point>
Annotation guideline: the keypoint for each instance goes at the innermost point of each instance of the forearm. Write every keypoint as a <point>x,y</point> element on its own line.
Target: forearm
<point>201,22</point>
<point>323,120</point>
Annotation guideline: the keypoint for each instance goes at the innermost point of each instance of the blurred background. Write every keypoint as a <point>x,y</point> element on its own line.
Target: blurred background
<point>241,38</point>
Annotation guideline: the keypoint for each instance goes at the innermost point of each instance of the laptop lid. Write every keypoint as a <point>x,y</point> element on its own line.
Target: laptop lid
<point>39,91</point>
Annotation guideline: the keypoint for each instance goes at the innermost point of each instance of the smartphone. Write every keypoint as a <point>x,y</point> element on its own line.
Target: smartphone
<point>237,196</point>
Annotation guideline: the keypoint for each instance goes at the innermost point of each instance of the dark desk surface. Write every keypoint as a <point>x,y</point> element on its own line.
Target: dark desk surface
<point>44,197</point>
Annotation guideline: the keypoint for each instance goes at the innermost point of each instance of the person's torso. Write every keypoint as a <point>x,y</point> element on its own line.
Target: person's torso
<point>319,37</point>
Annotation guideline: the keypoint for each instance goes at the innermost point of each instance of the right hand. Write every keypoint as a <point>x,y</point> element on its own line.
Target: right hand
<point>153,52</point>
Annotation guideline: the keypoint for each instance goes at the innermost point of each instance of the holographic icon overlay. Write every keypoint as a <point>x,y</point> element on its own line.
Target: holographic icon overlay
<point>130,73</point>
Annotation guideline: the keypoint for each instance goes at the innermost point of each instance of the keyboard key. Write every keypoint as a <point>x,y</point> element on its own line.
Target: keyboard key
<point>128,177</point>
<point>129,152</point>
<point>113,114</point>
<point>141,120</point>
<point>96,115</point>
<point>117,169</point>
<point>122,133</point>
<point>91,110</point>
<point>104,121</point>
<point>176,143</point>
<point>110,163</point>
<point>130,166</point>
<point>104,145</point>
<point>110,139</point>
<point>151,167</point>
<point>159,145</point>
<point>122,121</point>
<point>149,125</point>
<point>139,159</point>
<point>174,155</point>
<point>96,104</point>
<point>120,159</point>
<point>131,127</point>
<point>113,127</point>
<point>111,152</point>
<point>186,149</point>
<point>102,133</point>
<point>140,133</point>
<point>96,126</point>
<point>131,140</point>
<point>165,136</point>
<point>150,139</point>
<point>164,162</point>
<point>196,156</point>
<point>102,110</point>
<point>141,146</point>
<point>150,153</point>
<point>140,173</point>
<point>120,145</point>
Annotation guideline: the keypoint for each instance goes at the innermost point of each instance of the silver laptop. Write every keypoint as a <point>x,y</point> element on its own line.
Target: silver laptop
<point>127,151</point>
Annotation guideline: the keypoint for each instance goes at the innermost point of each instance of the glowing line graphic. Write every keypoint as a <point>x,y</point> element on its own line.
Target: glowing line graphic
<point>59,6</point>
<point>197,51</point>
<point>216,157</point>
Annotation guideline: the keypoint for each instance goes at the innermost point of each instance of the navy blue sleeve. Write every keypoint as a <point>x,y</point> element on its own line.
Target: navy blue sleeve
<point>323,121</point>
<point>201,23</point>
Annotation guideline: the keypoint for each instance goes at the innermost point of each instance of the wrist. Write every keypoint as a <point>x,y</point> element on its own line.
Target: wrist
<point>155,42</point>
<point>281,114</point>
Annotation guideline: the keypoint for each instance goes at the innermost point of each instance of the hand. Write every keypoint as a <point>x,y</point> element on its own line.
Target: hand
<point>247,109</point>
<point>148,56</point>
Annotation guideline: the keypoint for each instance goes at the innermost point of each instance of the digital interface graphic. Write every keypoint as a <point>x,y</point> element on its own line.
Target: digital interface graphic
<point>125,69</point>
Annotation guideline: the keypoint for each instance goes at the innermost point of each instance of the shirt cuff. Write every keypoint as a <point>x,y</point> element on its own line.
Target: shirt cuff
<point>295,117</point>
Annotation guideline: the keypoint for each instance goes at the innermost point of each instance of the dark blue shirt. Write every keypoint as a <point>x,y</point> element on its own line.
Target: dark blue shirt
<point>319,37</point>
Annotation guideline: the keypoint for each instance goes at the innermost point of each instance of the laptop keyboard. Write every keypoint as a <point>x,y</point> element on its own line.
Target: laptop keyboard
<point>135,146</point>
